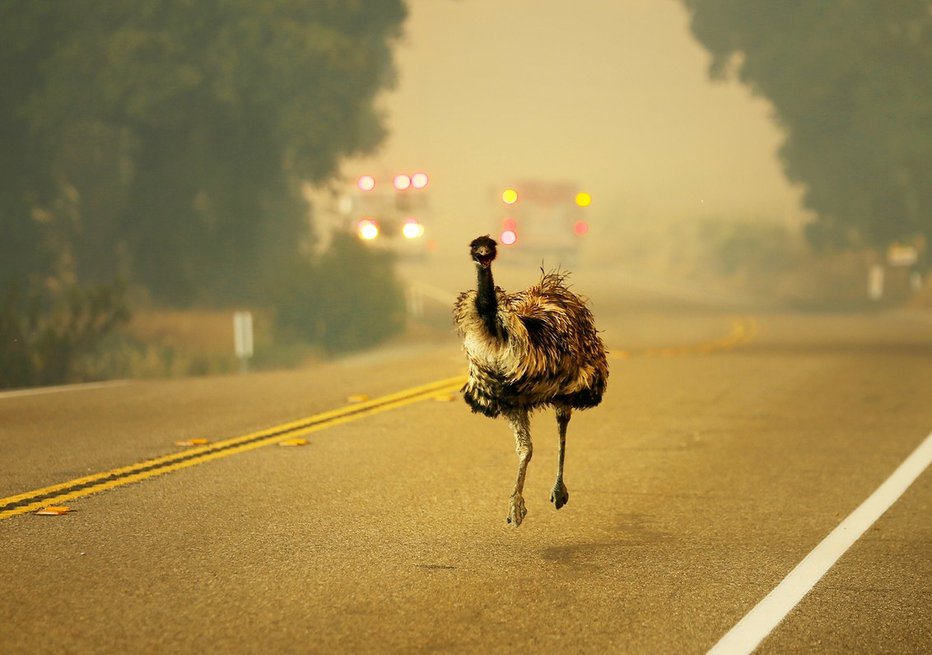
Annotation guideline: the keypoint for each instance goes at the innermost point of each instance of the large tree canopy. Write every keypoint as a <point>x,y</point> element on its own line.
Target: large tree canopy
<point>168,138</point>
<point>850,84</point>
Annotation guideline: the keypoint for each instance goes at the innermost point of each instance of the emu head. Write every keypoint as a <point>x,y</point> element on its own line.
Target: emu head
<point>482,250</point>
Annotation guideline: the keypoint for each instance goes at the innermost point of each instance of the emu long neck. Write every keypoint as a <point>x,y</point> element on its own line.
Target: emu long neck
<point>486,300</point>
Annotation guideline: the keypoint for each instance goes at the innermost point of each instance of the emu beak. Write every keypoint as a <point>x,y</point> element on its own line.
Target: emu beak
<point>483,257</point>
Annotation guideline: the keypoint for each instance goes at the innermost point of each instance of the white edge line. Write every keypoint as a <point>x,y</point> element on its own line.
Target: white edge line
<point>751,630</point>
<point>37,391</point>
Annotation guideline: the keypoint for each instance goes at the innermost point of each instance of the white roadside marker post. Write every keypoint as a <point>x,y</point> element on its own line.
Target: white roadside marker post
<point>242,338</point>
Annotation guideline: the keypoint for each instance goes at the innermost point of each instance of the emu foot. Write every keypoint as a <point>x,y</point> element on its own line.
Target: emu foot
<point>518,511</point>
<point>559,496</point>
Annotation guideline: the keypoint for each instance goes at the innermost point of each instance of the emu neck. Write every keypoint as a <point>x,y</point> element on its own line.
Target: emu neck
<point>486,300</point>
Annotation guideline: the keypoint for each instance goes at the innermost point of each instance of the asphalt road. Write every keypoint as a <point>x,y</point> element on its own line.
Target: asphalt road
<point>729,444</point>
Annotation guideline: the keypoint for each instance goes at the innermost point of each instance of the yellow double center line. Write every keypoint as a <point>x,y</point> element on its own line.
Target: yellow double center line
<point>66,491</point>
<point>742,330</point>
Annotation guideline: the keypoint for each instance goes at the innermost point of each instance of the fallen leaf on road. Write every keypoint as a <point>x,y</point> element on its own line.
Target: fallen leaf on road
<point>293,442</point>
<point>192,442</point>
<point>444,397</point>
<point>53,510</point>
<point>357,398</point>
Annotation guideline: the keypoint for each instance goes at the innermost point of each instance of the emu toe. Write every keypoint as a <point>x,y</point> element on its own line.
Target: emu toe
<point>559,496</point>
<point>517,512</point>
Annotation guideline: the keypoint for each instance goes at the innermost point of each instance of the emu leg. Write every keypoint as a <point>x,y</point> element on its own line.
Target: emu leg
<point>521,424</point>
<point>560,496</point>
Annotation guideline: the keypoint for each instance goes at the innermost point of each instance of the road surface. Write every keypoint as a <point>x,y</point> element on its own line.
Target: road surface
<point>730,443</point>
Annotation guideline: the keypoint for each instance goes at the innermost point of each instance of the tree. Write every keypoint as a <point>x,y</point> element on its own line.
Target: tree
<point>849,83</point>
<point>355,299</point>
<point>26,38</point>
<point>169,138</point>
<point>46,335</point>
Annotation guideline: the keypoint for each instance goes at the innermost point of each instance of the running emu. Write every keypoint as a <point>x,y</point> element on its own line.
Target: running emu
<point>527,350</point>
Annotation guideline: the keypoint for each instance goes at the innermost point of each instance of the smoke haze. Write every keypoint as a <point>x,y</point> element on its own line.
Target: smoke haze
<point>614,96</point>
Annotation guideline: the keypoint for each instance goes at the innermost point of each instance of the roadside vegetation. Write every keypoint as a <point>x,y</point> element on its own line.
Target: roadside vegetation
<point>847,81</point>
<point>771,262</point>
<point>150,179</point>
<point>758,258</point>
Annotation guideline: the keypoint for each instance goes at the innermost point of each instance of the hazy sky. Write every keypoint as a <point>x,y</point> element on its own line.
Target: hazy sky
<point>612,95</point>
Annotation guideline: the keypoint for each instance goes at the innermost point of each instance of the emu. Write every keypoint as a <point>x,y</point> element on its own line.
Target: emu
<point>526,350</point>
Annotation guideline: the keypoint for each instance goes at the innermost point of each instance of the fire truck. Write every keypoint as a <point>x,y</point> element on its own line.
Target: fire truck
<point>543,220</point>
<point>390,210</point>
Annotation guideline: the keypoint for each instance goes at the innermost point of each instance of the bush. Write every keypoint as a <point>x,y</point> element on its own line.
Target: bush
<point>47,333</point>
<point>746,248</point>
<point>350,298</point>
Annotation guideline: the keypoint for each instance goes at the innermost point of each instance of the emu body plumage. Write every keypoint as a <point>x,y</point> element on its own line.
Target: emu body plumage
<point>527,350</point>
<point>545,352</point>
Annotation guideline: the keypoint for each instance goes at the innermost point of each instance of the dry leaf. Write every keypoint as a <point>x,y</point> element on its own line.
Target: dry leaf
<point>53,510</point>
<point>357,398</point>
<point>192,442</point>
<point>293,442</point>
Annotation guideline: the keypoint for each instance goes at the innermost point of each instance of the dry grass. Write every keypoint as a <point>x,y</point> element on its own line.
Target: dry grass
<point>175,343</point>
<point>202,331</point>
<point>922,299</point>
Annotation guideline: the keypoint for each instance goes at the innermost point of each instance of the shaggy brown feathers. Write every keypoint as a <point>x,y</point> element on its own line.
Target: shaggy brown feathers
<point>548,351</point>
